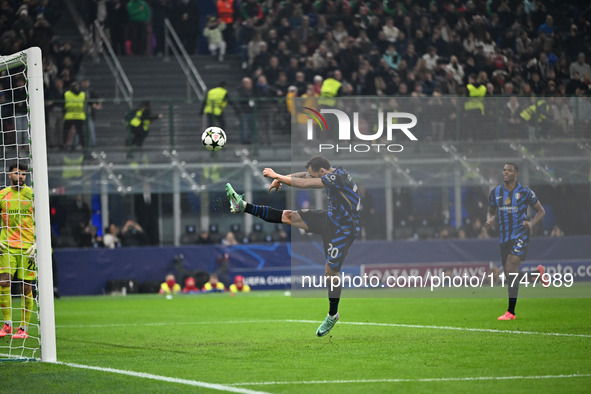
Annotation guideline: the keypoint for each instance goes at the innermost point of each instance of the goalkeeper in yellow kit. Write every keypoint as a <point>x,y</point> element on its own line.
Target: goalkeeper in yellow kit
<point>17,245</point>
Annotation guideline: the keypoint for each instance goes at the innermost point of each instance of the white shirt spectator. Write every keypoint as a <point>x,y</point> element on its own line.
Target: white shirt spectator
<point>456,70</point>
<point>581,67</point>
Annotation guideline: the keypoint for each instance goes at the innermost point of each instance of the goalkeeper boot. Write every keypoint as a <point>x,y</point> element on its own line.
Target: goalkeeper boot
<point>6,329</point>
<point>327,325</point>
<point>20,334</point>
<point>236,202</point>
<point>506,316</point>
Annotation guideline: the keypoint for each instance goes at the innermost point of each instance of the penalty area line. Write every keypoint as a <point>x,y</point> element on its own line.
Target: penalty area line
<point>489,330</point>
<point>464,379</point>
<point>143,375</point>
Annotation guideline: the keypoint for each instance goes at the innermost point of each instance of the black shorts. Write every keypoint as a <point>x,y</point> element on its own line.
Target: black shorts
<point>517,247</point>
<point>336,244</point>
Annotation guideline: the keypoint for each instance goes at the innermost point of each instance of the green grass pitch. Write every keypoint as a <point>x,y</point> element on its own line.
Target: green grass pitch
<point>265,342</point>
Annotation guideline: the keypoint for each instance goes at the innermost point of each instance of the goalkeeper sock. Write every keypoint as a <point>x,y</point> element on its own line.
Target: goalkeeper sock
<point>27,310</point>
<point>5,304</point>
<point>264,212</point>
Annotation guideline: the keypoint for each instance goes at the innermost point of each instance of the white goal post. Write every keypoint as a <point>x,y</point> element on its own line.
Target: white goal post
<point>30,60</point>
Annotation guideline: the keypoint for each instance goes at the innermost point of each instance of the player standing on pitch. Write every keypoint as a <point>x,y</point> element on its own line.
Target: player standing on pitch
<point>338,226</point>
<point>17,245</point>
<point>510,200</point>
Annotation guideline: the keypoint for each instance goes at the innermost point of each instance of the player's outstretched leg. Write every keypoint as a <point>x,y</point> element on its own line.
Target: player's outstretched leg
<point>236,202</point>
<point>327,325</point>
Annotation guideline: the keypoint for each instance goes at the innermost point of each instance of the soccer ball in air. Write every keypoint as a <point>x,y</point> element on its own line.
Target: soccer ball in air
<point>213,138</point>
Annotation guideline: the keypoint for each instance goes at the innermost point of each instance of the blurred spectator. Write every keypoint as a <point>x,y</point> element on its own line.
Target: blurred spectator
<point>511,111</point>
<point>214,285</point>
<point>139,125</point>
<point>245,36</point>
<point>89,238</point>
<point>204,238</point>
<point>229,239</point>
<point>226,14</point>
<point>94,104</point>
<point>245,106</point>
<point>556,231</point>
<point>185,19</point>
<point>78,216</point>
<point>583,69</point>
<point>74,117</point>
<point>214,106</point>
<point>117,20</point>
<point>239,286</point>
<point>222,267</point>
<point>139,16</point>
<point>213,34</point>
<point>111,237</point>
<point>132,234</point>
<point>169,286</point>
<point>190,287</point>
<point>54,112</point>
<point>279,234</point>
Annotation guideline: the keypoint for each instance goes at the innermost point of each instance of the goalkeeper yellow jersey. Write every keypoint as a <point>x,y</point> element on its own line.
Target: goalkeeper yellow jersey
<point>16,208</point>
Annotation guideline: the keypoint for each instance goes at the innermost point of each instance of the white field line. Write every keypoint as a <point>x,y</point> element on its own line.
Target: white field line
<point>451,328</point>
<point>465,379</point>
<point>167,379</point>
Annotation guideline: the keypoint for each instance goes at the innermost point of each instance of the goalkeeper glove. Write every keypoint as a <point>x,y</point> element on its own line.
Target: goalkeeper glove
<point>3,247</point>
<point>32,253</point>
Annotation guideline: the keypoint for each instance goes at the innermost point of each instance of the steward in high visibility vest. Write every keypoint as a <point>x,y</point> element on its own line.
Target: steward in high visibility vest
<point>476,92</point>
<point>538,110</point>
<point>330,88</point>
<point>74,116</point>
<point>139,125</point>
<point>214,105</point>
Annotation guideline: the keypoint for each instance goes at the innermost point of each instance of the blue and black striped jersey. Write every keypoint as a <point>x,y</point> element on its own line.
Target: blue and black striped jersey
<point>512,211</point>
<point>343,201</point>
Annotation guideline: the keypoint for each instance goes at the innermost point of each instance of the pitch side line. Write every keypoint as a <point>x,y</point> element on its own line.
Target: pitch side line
<point>466,379</point>
<point>144,375</point>
<point>489,330</point>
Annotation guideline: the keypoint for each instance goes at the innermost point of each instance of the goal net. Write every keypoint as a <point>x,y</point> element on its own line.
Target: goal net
<point>26,283</point>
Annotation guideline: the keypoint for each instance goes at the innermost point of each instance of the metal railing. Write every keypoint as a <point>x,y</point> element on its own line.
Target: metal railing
<point>103,46</point>
<point>194,80</point>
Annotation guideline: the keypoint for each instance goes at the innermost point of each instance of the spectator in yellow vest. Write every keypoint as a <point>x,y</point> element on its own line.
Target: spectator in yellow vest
<point>214,106</point>
<point>139,125</point>
<point>75,116</point>
<point>214,285</point>
<point>169,286</point>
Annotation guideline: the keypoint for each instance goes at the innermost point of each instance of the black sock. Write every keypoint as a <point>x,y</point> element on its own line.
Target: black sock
<point>512,302</point>
<point>514,290</point>
<point>333,306</point>
<point>334,296</point>
<point>264,212</point>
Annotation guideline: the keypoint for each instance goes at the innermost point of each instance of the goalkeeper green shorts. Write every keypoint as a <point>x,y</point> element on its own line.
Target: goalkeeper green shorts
<point>13,261</point>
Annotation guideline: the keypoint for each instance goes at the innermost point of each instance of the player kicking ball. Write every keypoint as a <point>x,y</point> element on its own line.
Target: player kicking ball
<point>338,226</point>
